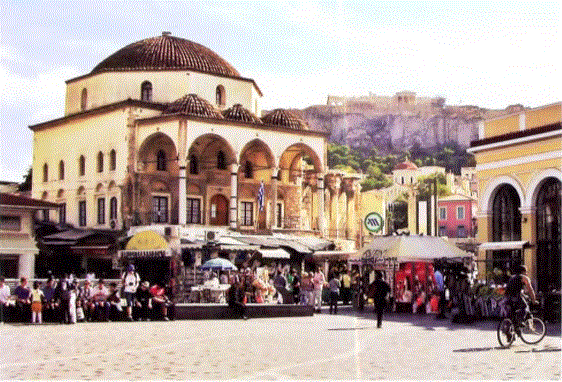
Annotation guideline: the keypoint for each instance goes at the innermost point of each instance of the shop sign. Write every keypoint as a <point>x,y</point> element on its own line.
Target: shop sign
<point>144,254</point>
<point>374,222</point>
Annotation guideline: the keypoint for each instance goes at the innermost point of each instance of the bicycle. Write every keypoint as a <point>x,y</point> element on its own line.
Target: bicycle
<point>530,329</point>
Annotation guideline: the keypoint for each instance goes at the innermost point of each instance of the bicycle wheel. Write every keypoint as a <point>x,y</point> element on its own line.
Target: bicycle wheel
<point>533,330</point>
<point>506,333</point>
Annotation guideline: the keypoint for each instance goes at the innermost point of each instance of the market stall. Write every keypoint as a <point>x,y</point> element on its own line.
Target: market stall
<point>406,263</point>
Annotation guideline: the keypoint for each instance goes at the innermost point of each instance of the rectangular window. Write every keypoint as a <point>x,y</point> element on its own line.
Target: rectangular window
<point>442,231</point>
<point>279,215</point>
<point>62,213</point>
<point>461,231</point>
<point>46,215</point>
<point>82,213</point>
<point>193,211</point>
<point>442,213</point>
<point>460,213</point>
<point>247,216</point>
<point>9,266</point>
<point>101,210</point>
<point>160,209</point>
<point>10,223</point>
<point>113,208</point>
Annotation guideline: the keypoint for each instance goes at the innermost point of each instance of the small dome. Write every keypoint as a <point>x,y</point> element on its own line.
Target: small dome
<point>406,165</point>
<point>240,114</point>
<point>166,52</point>
<point>284,118</point>
<point>191,104</point>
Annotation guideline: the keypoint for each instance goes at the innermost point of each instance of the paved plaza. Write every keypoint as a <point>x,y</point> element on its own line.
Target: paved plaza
<point>346,346</point>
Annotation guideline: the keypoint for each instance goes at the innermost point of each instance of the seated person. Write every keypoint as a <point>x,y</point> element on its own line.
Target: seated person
<point>143,303</point>
<point>85,300</point>
<point>160,301</point>
<point>100,306</point>
<point>49,311</point>
<point>114,303</point>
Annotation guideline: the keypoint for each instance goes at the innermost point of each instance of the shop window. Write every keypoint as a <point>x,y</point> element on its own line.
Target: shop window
<point>221,160</point>
<point>84,99</point>
<point>46,215</point>
<point>100,162</point>
<point>61,170</point>
<point>161,164</point>
<point>193,211</point>
<point>460,213</point>
<point>82,213</point>
<point>82,165</point>
<point>193,165</point>
<point>113,208</point>
<point>112,160</point>
<point>10,223</point>
<point>101,210</point>
<point>146,91</point>
<point>247,214</point>
<point>9,266</point>
<point>442,231</point>
<point>45,172</point>
<point>248,170</point>
<point>461,231</point>
<point>62,213</point>
<point>160,209</point>
<point>220,95</point>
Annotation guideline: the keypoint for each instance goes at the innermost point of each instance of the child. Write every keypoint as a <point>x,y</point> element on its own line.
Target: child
<point>37,298</point>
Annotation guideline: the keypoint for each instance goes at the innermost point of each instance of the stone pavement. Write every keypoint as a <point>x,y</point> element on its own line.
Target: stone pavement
<point>346,346</point>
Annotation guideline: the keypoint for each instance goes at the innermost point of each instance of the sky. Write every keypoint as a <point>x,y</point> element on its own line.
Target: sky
<point>489,54</point>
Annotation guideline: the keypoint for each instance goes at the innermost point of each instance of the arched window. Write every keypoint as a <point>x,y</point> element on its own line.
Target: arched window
<point>82,165</point>
<point>193,165</point>
<point>100,162</point>
<point>61,170</point>
<point>548,220</point>
<point>220,95</point>
<point>248,170</point>
<point>506,215</point>
<point>221,160</point>
<point>84,99</point>
<point>161,161</point>
<point>45,172</point>
<point>113,208</point>
<point>112,160</point>
<point>146,91</point>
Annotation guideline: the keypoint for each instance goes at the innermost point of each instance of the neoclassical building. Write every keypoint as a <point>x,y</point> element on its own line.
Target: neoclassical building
<point>519,171</point>
<point>165,131</point>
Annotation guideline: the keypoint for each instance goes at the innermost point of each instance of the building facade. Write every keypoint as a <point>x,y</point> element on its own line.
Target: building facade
<point>519,171</point>
<point>454,216</point>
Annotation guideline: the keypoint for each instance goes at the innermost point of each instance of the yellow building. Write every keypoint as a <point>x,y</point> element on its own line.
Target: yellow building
<point>519,171</point>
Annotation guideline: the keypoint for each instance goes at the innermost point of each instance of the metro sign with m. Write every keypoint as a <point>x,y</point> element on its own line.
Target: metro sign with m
<point>374,222</point>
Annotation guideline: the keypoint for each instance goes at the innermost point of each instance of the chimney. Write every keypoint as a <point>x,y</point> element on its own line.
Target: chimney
<point>166,33</point>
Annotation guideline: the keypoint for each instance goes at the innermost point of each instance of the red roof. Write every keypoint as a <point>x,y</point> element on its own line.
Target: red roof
<point>406,165</point>
<point>22,201</point>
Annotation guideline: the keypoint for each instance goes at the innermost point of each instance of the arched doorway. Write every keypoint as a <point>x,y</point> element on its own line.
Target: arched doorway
<point>548,217</point>
<point>506,226</point>
<point>219,210</point>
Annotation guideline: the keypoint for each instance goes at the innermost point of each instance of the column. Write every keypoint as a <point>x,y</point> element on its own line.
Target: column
<point>336,208</point>
<point>233,196</point>
<point>320,190</point>
<point>274,182</point>
<point>351,220</point>
<point>182,195</point>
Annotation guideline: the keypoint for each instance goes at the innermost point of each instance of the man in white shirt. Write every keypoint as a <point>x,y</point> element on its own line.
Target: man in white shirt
<point>319,280</point>
<point>131,280</point>
<point>4,297</point>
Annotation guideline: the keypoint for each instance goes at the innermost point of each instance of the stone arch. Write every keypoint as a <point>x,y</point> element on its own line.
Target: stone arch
<point>206,147</point>
<point>149,149</point>
<point>111,187</point>
<point>81,191</point>
<point>99,188</point>
<point>536,183</point>
<point>487,198</point>
<point>259,154</point>
<point>60,193</point>
<point>290,161</point>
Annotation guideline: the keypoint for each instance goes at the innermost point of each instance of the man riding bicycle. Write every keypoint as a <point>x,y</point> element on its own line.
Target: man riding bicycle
<point>515,301</point>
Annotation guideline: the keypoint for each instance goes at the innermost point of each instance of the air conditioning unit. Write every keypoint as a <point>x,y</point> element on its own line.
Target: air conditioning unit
<point>167,231</point>
<point>210,236</point>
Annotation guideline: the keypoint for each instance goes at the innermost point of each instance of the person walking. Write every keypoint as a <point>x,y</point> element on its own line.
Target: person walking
<point>131,281</point>
<point>334,287</point>
<point>318,281</point>
<point>381,290</point>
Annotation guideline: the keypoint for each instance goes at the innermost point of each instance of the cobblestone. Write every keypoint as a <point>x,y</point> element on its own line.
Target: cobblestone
<point>346,346</point>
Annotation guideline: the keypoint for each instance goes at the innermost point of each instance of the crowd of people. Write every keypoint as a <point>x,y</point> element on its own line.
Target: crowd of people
<point>67,300</point>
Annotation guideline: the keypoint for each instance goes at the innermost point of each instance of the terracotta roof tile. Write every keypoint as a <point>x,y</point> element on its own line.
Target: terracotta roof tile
<point>284,118</point>
<point>239,113</point>
<point>22,201</point>
<point>192,104</point>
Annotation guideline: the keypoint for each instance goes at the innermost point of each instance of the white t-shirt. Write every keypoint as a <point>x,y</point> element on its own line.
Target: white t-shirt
<point>4,294</point>
<point>130,282</point>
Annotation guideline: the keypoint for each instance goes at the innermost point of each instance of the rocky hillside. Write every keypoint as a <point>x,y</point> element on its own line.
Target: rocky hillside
<point>393,127</point>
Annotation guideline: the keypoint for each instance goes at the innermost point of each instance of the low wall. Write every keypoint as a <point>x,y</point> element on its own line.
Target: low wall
<point>223,311</point>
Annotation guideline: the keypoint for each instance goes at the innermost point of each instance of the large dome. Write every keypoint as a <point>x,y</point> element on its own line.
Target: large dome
<point>166,52</point>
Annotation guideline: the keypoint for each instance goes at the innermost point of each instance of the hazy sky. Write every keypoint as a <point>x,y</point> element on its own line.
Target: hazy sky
<point>480,53</point>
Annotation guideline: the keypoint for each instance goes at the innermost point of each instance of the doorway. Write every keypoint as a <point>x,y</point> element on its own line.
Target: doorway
<point>219,210</point>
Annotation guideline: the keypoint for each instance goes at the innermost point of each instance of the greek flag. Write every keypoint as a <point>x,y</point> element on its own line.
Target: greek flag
<point>260,197</point>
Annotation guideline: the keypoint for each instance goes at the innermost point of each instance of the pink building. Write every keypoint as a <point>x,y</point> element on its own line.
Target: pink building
<point>455,214</point>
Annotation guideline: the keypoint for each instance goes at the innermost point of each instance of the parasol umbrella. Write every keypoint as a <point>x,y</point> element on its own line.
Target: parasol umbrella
<point>218,263</point>
<point>412,248</point>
